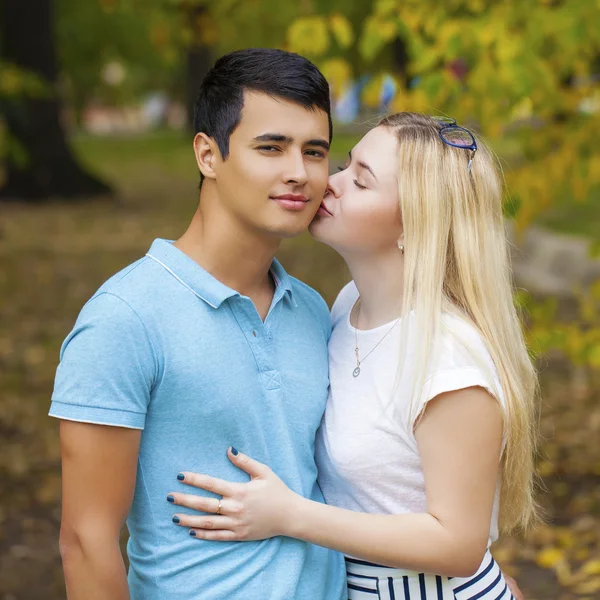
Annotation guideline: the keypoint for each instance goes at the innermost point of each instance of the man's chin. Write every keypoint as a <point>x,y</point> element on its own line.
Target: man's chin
<point>287,231</point>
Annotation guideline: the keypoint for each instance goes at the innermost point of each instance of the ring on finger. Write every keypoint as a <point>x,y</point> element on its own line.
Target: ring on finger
<point>219,507</point>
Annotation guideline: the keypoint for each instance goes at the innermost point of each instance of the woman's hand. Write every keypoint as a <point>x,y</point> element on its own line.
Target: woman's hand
<point>256,510</point>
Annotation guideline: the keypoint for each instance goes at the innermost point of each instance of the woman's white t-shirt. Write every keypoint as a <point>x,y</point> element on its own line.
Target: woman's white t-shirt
<point>367,458</point>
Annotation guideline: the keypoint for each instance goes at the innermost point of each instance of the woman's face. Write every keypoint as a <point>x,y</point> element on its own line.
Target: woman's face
<point>360,212</point>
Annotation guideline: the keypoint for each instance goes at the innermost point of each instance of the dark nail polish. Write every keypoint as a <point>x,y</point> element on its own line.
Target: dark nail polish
<point>193,533</point>
<point>175,519</point>
<point>181,476</point>
<point>170,499</point>
<point>234,451</point>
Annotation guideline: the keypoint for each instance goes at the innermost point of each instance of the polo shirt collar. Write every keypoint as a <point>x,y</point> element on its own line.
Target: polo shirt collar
<point>190,274</point>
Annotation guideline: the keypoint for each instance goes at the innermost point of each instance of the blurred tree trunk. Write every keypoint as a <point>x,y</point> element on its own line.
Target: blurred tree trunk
<point>27,38</point>
<point>400,59</point>
<point>199,56</point>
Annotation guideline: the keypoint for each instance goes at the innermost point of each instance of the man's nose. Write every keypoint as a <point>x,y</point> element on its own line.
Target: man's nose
<point>296,169</point>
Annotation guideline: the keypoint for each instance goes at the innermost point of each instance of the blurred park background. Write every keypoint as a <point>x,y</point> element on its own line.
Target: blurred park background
<point>97,161</point>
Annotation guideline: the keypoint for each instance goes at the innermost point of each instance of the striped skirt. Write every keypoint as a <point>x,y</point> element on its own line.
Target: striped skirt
<point>367,581</point>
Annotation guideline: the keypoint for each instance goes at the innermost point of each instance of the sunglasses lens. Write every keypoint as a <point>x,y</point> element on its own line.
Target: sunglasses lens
<point>458,137</point>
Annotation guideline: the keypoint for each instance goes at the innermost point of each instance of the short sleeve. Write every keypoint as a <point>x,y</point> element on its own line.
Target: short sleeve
<point>462,361</point>
<point>457,379</point>
<point>107,367</point>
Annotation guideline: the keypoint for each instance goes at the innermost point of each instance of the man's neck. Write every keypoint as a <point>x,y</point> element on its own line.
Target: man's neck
<point>237,257</point>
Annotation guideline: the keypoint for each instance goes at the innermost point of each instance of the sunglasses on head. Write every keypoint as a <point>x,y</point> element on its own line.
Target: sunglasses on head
<point>453,135</point>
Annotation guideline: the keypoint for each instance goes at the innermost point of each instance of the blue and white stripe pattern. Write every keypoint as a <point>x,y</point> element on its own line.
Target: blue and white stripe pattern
<point>367,581</point>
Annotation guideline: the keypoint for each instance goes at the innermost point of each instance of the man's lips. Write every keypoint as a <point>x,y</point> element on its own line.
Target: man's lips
<point>293,197</point>
<point>291,201</point>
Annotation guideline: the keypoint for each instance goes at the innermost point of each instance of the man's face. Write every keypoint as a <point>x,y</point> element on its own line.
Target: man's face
<point>276,173</point>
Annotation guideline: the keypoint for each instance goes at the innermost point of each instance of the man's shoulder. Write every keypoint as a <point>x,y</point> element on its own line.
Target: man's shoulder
<point>126,298</point>
<point>133,281</point>
<point>136,284</point>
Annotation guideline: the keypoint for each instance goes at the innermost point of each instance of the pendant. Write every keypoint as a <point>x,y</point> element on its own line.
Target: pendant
<point>356,372</point>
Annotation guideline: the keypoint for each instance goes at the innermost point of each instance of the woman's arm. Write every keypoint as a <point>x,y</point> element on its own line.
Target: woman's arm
<point>459,440</point>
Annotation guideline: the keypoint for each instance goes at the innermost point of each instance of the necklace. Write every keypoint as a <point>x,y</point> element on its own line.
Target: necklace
<point>356,371</point>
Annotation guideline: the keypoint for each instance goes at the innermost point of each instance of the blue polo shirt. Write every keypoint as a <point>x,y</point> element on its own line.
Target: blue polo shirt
<point>164,347</point>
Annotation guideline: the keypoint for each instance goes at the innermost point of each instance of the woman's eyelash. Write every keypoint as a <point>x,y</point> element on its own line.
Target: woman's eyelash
<point>360,187</point>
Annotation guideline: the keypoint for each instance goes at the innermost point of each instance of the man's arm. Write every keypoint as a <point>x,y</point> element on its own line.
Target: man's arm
<point>99,465</point>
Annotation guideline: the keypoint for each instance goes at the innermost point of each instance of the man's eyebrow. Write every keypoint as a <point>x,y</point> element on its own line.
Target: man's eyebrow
<point>273,137</point>
<point>364,165</point>
<point>286,139</point>
<point>319,143</point>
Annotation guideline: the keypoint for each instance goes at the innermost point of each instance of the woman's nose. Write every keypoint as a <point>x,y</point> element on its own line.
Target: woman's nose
<point>333,186</point>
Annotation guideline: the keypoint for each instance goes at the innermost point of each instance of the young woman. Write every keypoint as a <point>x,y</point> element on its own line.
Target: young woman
<point>426,447</point>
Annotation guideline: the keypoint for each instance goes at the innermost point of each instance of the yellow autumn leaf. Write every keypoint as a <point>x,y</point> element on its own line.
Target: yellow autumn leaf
<point>588,587</point>
<point>338,73</point>
<point>372,91</point>
<point>342,30</point>
<point>566,537</point>
<point>309,36</point>
<point>591,567</point>
<point>548,558</point>
<point>545,468</point>
<point>384,8</point>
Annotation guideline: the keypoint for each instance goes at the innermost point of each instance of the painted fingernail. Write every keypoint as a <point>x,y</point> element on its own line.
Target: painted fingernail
<point>180,476</point>
<point>193,533</point>
<point>176,519</point>
<point>170,499</point>
<point>234,451</point>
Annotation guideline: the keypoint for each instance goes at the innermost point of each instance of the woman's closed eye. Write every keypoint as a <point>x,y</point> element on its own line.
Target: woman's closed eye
<point>355,181</point>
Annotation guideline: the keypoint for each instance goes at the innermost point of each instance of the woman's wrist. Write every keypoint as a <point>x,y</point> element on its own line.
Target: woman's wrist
<point>293,525</point>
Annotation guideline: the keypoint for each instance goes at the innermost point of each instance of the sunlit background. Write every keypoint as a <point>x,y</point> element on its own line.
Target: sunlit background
<point>95,102</point>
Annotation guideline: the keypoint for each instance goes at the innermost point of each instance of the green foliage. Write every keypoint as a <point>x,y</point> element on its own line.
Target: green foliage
<point>15,84</point>
<point>143,38</point>
<point>529,66</point>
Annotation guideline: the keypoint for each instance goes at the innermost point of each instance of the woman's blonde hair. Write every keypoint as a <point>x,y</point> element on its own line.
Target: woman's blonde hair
<point>456,261</point>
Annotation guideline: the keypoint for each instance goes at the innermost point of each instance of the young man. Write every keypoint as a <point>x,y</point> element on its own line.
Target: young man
<point>202,344</point>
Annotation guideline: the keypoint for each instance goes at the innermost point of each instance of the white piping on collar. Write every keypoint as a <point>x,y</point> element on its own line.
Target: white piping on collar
<point>180,280</point>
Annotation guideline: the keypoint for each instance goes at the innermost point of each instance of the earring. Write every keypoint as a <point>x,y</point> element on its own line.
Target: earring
<point>401,248</point>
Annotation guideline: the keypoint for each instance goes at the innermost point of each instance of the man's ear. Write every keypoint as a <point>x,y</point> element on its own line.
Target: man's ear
<point>207,153</point>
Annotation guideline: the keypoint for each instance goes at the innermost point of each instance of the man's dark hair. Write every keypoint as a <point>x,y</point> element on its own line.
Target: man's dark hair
<point>274,72</point>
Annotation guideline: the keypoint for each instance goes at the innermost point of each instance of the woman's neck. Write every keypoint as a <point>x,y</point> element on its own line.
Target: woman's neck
<point>380,284</point>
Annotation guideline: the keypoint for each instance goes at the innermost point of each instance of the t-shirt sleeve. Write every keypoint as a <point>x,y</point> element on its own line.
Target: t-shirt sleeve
<point>107,367</point>
<point>463,362</point>
<point>457,379</point>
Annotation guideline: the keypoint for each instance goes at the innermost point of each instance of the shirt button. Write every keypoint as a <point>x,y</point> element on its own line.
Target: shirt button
<point>254,333</point>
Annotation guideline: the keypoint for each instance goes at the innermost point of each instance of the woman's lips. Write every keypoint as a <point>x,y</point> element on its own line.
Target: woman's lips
<point>323,211</point>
